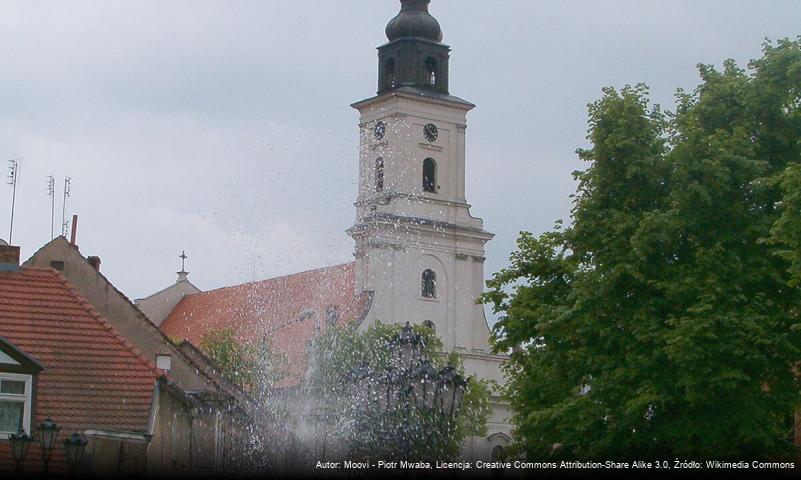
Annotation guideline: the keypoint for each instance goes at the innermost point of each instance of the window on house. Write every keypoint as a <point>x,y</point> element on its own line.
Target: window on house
<point>431,71</point>
<point>389,73</point>
<point>429,287</point>
<point>429,175</point>
<point>430,325</point>
<point>15,403</point>
<point>379,174</point>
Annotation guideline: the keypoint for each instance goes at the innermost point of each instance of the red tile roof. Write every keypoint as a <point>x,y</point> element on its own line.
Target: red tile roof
<point>92,377</point>
<point>285,310</point>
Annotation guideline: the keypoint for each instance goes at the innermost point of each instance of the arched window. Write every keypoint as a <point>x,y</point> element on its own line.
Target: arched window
<point>429,175</point>
<point>429,287</point>
<point>497,451</point>
<point>430,325</point>
<point>431,71</point>
<point>379,174</point>
<point>389,73</point>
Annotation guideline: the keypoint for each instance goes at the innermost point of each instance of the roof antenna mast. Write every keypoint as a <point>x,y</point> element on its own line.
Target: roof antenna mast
<point>64,222</point>
<point>51,192</point>
<point>13,178</point>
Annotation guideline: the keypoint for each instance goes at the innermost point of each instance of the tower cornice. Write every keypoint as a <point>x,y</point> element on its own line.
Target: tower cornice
<point>396,222</point>
<point>417,95</point>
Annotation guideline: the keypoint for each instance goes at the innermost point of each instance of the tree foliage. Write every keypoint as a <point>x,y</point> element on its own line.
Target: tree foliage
<point>665,319</point>
<point>252,365</point>
<point>367,433</point>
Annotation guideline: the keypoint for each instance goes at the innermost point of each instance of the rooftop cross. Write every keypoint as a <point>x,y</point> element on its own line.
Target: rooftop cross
<point>183,258</point>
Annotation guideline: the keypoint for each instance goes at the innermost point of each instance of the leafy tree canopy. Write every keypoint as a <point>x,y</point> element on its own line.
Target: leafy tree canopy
<point>665,319</point>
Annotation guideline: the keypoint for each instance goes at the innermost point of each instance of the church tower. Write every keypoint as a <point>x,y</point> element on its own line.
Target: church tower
<point>418,249</point>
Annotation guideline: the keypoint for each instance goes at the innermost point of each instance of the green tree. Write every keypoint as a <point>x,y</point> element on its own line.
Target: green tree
<point>251,365</point>
<point>337,354</point>
<point>665,319</point>
<point>787,230</point>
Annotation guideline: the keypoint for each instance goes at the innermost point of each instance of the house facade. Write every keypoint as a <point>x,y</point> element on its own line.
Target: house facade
<point>61,360</point>
<point>166,412</point>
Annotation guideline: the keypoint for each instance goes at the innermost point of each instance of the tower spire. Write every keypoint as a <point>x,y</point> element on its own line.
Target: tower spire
<point>414,21</point>
<point>415,56</point>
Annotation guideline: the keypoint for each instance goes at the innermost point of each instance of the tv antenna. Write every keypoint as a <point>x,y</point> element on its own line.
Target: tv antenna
<point>64,222</point>
<point>51,192</point>
<point>13,179</point>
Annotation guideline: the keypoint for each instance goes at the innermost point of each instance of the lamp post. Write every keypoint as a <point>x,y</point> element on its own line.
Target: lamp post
<point>75,446</point>
<point>411,389</point>
<point>20,442</point>
<point>48,432</point>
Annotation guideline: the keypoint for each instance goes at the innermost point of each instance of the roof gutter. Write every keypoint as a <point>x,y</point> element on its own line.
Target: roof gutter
<point>154,408</point>
<point>136,437</point>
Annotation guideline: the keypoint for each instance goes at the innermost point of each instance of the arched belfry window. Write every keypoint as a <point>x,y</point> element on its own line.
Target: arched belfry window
<point>429,284</point>
<point>389,73</point>
<point>431,71</point>
<point>379,174</point>
<point>429,175</point>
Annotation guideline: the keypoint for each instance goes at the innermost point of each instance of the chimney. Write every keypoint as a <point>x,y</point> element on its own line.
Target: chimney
<point>94,262</point>
<point>9,257</point>
<point>163,361</point>
<point>74,229</point>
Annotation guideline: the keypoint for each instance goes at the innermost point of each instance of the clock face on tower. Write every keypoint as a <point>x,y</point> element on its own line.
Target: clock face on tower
<point>379,130</point>
<point>431,133</point>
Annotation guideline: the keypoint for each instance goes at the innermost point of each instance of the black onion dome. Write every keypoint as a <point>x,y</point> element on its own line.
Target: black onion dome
<point>414,21</point>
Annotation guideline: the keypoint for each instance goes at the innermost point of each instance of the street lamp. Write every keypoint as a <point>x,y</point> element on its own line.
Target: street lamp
<point>20,442</point>
<point>48,432</point>
<point>425,385</point>
<point>409,396</point>
<point>451,389</point>
<point>409,345</point>
<point>75,446</point>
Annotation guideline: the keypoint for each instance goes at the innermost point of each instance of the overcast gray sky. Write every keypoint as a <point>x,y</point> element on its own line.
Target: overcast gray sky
<point>224,127</point>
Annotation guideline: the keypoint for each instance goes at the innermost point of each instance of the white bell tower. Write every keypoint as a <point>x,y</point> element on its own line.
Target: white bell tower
<point>418,249</point>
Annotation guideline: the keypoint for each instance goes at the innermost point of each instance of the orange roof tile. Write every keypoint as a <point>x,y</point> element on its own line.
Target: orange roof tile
<point>92,377</point>
<point>287,311</point>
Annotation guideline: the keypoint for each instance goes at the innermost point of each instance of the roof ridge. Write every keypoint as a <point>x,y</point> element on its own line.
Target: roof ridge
<point>76,294</point>
<point>279,277</point>
<point>164,290</point>
<point>53,240</point>
<point>142,317</point>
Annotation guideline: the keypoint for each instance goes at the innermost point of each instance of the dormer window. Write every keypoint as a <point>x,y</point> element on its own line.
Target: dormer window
<point>18,373</point>
<point>15,403</point>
